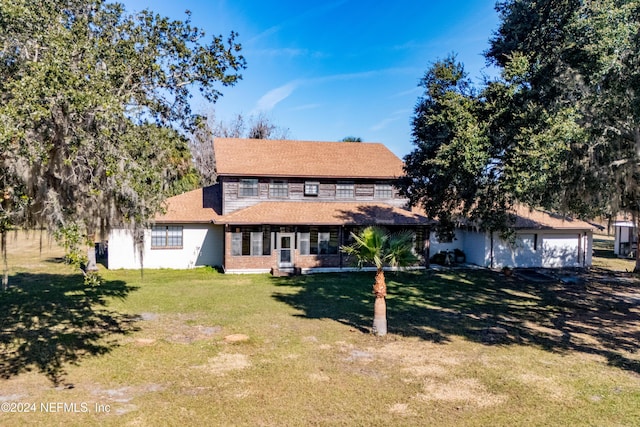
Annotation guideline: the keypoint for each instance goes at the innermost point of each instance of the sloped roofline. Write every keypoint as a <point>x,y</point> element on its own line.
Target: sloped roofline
<point>305,159</point>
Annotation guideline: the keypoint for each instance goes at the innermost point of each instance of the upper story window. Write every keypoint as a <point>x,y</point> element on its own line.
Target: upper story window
<point>311,188</point>
<point>345,190</point>
<point>166,237</point>
<point>278,189</point>
<point>248,188</point>
<point>383,191</point>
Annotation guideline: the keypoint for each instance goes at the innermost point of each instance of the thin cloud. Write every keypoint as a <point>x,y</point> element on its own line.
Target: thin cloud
<point>272,98</point>
<point>311,13</point>
<point>395,116</point>
<point>291,53</point>
<point>360,75</point>
<point>415,91</point>
<point>269,100</point>
<point>306,107</point>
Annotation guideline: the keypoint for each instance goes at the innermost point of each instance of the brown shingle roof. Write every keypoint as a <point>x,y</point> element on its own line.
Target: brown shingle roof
<point>284,158</point>
<point>531,218</point>
<point>324,213</point>
<point>527,218</point>
<point>197,206</point>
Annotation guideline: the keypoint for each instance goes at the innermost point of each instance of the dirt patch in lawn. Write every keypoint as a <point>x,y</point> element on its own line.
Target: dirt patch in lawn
<point>174,328</point>
<point>428,365</point>
<point>224,363</point>
<point>464,391</point>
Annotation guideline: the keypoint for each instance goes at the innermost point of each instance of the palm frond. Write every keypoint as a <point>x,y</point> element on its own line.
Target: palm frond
<point>375,245</point>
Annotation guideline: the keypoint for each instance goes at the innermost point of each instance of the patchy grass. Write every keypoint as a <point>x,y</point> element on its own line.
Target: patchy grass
<point>466,347</point>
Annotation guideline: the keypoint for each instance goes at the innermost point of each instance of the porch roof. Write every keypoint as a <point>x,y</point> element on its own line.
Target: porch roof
<point>324,213</point>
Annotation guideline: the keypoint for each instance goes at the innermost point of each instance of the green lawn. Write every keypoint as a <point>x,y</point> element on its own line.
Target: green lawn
<point>466,347</point>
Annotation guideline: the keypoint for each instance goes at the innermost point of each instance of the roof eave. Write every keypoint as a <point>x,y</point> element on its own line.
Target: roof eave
<point>275,175</point>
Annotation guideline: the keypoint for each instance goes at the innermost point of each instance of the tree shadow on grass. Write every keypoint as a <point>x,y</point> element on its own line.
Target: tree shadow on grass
<point>51,320</point>
<point>596,314</point>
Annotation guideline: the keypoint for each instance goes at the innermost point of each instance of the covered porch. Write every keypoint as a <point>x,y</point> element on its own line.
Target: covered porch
<point>295,238</point>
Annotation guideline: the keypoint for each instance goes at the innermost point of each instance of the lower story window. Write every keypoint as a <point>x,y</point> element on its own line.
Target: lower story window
<point>256,244</point>
<point>251,241</point>
<point>323,243</point>
<point>236,244</point>
<point>166,237</point>
<point>304,243</point>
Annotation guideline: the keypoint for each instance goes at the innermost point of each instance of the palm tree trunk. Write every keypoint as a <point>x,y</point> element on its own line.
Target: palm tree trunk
<point>380,305</point>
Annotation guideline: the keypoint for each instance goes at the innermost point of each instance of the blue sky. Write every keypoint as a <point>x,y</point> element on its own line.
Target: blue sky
<point>330,69</point>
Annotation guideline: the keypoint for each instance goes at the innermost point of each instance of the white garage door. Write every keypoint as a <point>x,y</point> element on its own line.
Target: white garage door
<point>561,250</point>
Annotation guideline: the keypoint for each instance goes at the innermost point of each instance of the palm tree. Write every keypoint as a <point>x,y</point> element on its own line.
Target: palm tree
<point>374,245</point>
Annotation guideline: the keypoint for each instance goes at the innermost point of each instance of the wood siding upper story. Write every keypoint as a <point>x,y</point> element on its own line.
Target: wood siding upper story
<point>363,191</point>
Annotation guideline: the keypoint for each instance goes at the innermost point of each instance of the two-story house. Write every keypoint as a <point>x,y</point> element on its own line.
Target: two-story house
<point>277,206</point>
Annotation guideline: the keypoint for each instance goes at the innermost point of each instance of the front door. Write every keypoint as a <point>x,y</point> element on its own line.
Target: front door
<point>285,252</point>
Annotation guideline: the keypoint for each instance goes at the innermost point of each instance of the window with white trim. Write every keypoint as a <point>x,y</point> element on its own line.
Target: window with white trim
<point>248,188</point>
<point>323,243</point>
<point>166,237</point>
<point>304,243</point>
<point>344,190</point>
<point>278,189</point>
<point>256,243</point>
<point>311,188</point>
<point>236,244</point>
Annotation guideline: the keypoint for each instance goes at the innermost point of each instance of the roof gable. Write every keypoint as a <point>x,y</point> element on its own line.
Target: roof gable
<point>285,158</point>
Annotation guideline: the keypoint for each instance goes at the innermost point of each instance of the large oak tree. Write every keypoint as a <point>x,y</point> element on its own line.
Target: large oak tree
<point>94,106</point>
<point>578,63</point>
<point>559,129</point>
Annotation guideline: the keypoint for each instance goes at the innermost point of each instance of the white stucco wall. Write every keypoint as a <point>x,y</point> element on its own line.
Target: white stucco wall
<point>476,248</point>
<point>203,244</point>
<point>436,246</point>
<point>532,248</point>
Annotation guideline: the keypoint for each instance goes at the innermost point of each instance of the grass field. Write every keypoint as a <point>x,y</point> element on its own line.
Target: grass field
<point>466,348</point>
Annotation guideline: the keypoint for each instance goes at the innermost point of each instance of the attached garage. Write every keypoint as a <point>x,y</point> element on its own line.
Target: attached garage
<point>542,240</point>
<point>541,248</point>
<point>562,250</point>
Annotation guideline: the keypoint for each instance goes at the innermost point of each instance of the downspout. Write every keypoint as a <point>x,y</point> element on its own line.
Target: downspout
<point>225,230</point>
